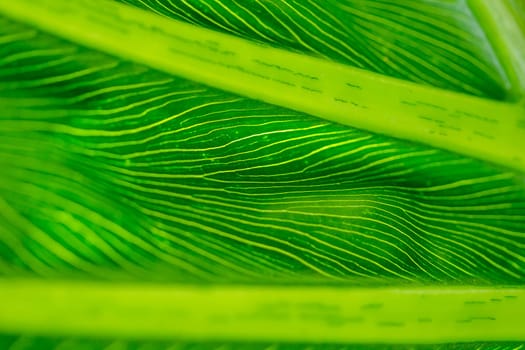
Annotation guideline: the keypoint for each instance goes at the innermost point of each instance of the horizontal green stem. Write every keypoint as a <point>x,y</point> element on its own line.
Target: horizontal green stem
<point>477,127</point>
<point>263,313</point>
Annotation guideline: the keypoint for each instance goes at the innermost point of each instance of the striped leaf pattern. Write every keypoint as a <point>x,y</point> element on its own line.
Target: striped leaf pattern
<point>439,43</point>
<point>118,171</point>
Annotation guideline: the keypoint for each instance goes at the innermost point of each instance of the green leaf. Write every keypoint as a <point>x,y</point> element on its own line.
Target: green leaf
<point>142,185</point>
<point>439,43</point>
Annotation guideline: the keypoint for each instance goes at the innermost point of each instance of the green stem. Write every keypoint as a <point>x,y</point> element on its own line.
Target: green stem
<point>477,127</point>
<point>263,313</point>
<point>505,29</point>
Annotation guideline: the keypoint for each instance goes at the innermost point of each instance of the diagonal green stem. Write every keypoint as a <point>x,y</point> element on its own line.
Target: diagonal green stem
<point>505,29</point>
<point>480,128</point>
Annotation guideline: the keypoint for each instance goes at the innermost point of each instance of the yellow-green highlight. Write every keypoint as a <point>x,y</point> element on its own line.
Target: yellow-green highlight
<point>420,315</point>
<point>481,128</point>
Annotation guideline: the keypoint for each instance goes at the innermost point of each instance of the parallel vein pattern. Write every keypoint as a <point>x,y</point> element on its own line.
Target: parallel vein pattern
<point>438,43</point>
<point>113,170</point>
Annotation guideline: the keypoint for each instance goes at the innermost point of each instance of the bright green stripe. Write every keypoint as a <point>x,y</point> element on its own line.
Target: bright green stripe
<point>320,314</point>
<point>326,29</point>
<point>412,106</point>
